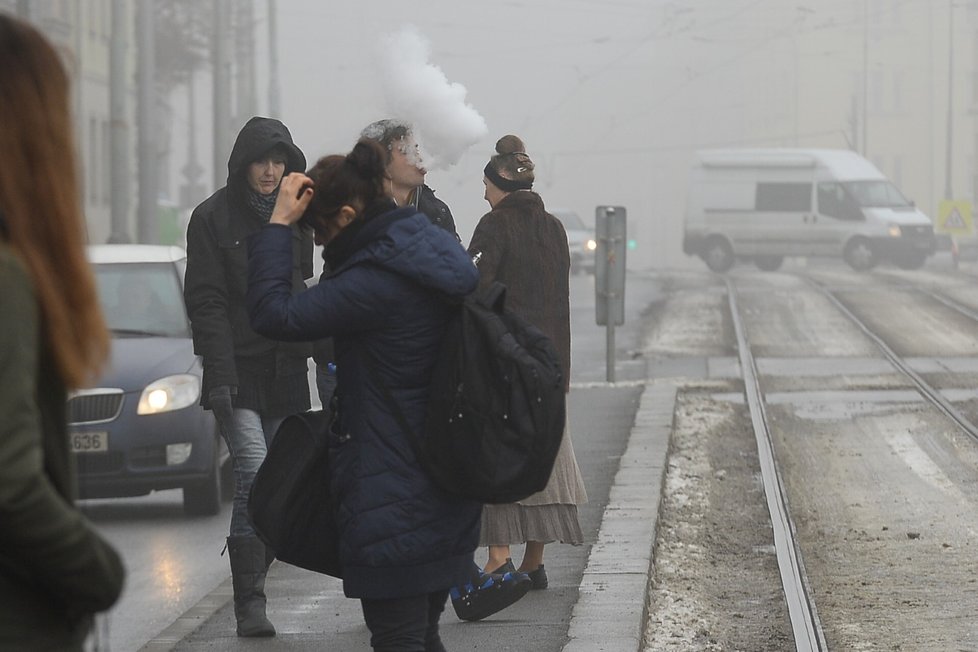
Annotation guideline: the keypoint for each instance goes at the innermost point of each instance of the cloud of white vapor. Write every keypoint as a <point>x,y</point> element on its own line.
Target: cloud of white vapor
<point>419,93</point>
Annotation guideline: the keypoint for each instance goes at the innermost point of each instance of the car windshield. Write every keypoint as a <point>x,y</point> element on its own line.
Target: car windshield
<point>570,220</point>
<point>876,194</point>
<point>142,299</point>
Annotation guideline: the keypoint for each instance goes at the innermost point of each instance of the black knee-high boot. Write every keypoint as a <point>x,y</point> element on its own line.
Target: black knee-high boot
<point>249,563</point>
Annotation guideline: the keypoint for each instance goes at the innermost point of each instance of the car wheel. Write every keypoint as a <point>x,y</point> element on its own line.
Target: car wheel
<point>859,255</point>
<point>718,255</point>
<point>203,498</point>
<point>768,263</point>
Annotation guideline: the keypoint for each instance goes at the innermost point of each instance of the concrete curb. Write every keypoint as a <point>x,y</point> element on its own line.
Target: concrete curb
<point>611,609</point>
<point>191,619</point>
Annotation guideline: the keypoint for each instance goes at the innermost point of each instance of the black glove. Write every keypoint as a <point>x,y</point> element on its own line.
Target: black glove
<point>220,400</point>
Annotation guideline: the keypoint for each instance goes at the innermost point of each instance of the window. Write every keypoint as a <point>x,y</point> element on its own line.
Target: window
<point>835,202</point>
<point>783,197</point>
<point>93,160</point>
<point>106,20</point>
<point>897,92</point>
<point>106,163</point>
<point>142,298</point>
<point>876,194</point>
<point>58,10</point>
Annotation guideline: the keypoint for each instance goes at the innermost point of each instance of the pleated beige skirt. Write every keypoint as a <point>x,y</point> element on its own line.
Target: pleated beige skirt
<point>547,516</point>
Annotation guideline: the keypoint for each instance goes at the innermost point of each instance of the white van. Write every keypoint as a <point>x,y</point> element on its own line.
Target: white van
<point>765,204</point>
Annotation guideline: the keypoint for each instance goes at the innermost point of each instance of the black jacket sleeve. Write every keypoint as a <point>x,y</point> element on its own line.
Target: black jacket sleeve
<point>207,298</point>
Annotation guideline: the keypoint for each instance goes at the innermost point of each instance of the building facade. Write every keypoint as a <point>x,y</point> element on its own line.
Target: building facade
<point>82,33</point>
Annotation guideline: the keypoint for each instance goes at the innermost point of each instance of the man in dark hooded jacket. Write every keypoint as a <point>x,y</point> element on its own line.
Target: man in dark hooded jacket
<point>251,383</point>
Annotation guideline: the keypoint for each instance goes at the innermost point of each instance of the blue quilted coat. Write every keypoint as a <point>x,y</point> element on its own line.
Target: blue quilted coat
<point>386,304</point>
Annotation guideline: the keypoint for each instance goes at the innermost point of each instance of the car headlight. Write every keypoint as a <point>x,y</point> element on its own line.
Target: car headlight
<point>895,231</point>
<point>591,245</point>
<point>170,393</point>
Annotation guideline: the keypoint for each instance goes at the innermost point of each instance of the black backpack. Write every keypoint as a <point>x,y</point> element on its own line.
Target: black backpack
<point>497,405</point>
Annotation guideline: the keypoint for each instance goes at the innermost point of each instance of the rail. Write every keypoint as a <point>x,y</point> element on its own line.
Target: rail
<point>805,624</point>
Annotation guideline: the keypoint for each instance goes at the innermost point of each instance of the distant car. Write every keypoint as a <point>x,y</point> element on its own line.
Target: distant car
<point>580,240</point>
<point>142,428</point>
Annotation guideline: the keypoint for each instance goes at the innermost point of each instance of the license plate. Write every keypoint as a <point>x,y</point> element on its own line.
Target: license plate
<point>90,442</point>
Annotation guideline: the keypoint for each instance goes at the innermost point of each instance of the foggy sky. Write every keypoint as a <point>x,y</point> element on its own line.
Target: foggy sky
<point>545,70</point>
<point>612,97</point>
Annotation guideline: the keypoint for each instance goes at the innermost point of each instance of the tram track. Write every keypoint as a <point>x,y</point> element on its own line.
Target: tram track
<point>806,626</point>
<point>927,390</point>
<point>857,531</point>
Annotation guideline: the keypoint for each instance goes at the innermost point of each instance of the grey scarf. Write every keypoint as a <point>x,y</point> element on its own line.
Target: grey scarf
<point>262,204</point>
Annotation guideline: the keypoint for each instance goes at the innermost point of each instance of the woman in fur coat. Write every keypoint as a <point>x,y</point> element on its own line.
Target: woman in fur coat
<point>521,245</point>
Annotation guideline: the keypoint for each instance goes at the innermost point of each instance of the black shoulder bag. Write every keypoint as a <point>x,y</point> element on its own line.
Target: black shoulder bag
<point>290,505</point>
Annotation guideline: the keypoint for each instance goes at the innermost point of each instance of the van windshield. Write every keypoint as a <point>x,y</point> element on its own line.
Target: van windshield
<point>876,194</point>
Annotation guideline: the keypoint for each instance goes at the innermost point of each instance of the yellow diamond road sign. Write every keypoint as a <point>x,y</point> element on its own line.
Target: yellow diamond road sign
<point>954,217</point>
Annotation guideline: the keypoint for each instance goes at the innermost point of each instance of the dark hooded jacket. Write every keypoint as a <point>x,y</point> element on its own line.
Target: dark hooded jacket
<point>386,304</point>
<point>525,248</point>
<point>269,376</point>
<point>436,210</point>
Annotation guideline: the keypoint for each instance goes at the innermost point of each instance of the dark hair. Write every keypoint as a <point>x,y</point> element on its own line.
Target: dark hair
<point>44,223</point>
<point>510,169</point>
<point>386,132</point>
<point>279,149</point>
<point>356,179</point>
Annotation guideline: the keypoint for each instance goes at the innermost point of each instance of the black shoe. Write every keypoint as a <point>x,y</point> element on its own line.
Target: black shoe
<point>508,567</point>
<point>538,579</point>
<point>486,594</point>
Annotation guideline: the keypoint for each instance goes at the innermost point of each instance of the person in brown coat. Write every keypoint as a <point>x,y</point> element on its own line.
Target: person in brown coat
<point>521,245</point>
<point>56,571</point>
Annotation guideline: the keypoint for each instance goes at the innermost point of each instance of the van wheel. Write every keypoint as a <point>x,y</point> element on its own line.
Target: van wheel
<point>859,255</point>
<point>718,255</point>
<point>768,263</point>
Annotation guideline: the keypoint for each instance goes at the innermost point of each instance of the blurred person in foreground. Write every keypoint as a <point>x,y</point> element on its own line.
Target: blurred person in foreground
<point>56,572</point>
<point>524,247</point>
<point>251,383</point>
<point>393,283</point>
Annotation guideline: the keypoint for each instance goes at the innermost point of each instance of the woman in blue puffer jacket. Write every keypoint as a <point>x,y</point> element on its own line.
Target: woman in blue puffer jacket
<point>403,542</point>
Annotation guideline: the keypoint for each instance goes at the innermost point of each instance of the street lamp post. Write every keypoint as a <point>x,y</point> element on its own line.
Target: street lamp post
<point>950,98</point>
<point>274,106</point>
<point>865,120</point>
